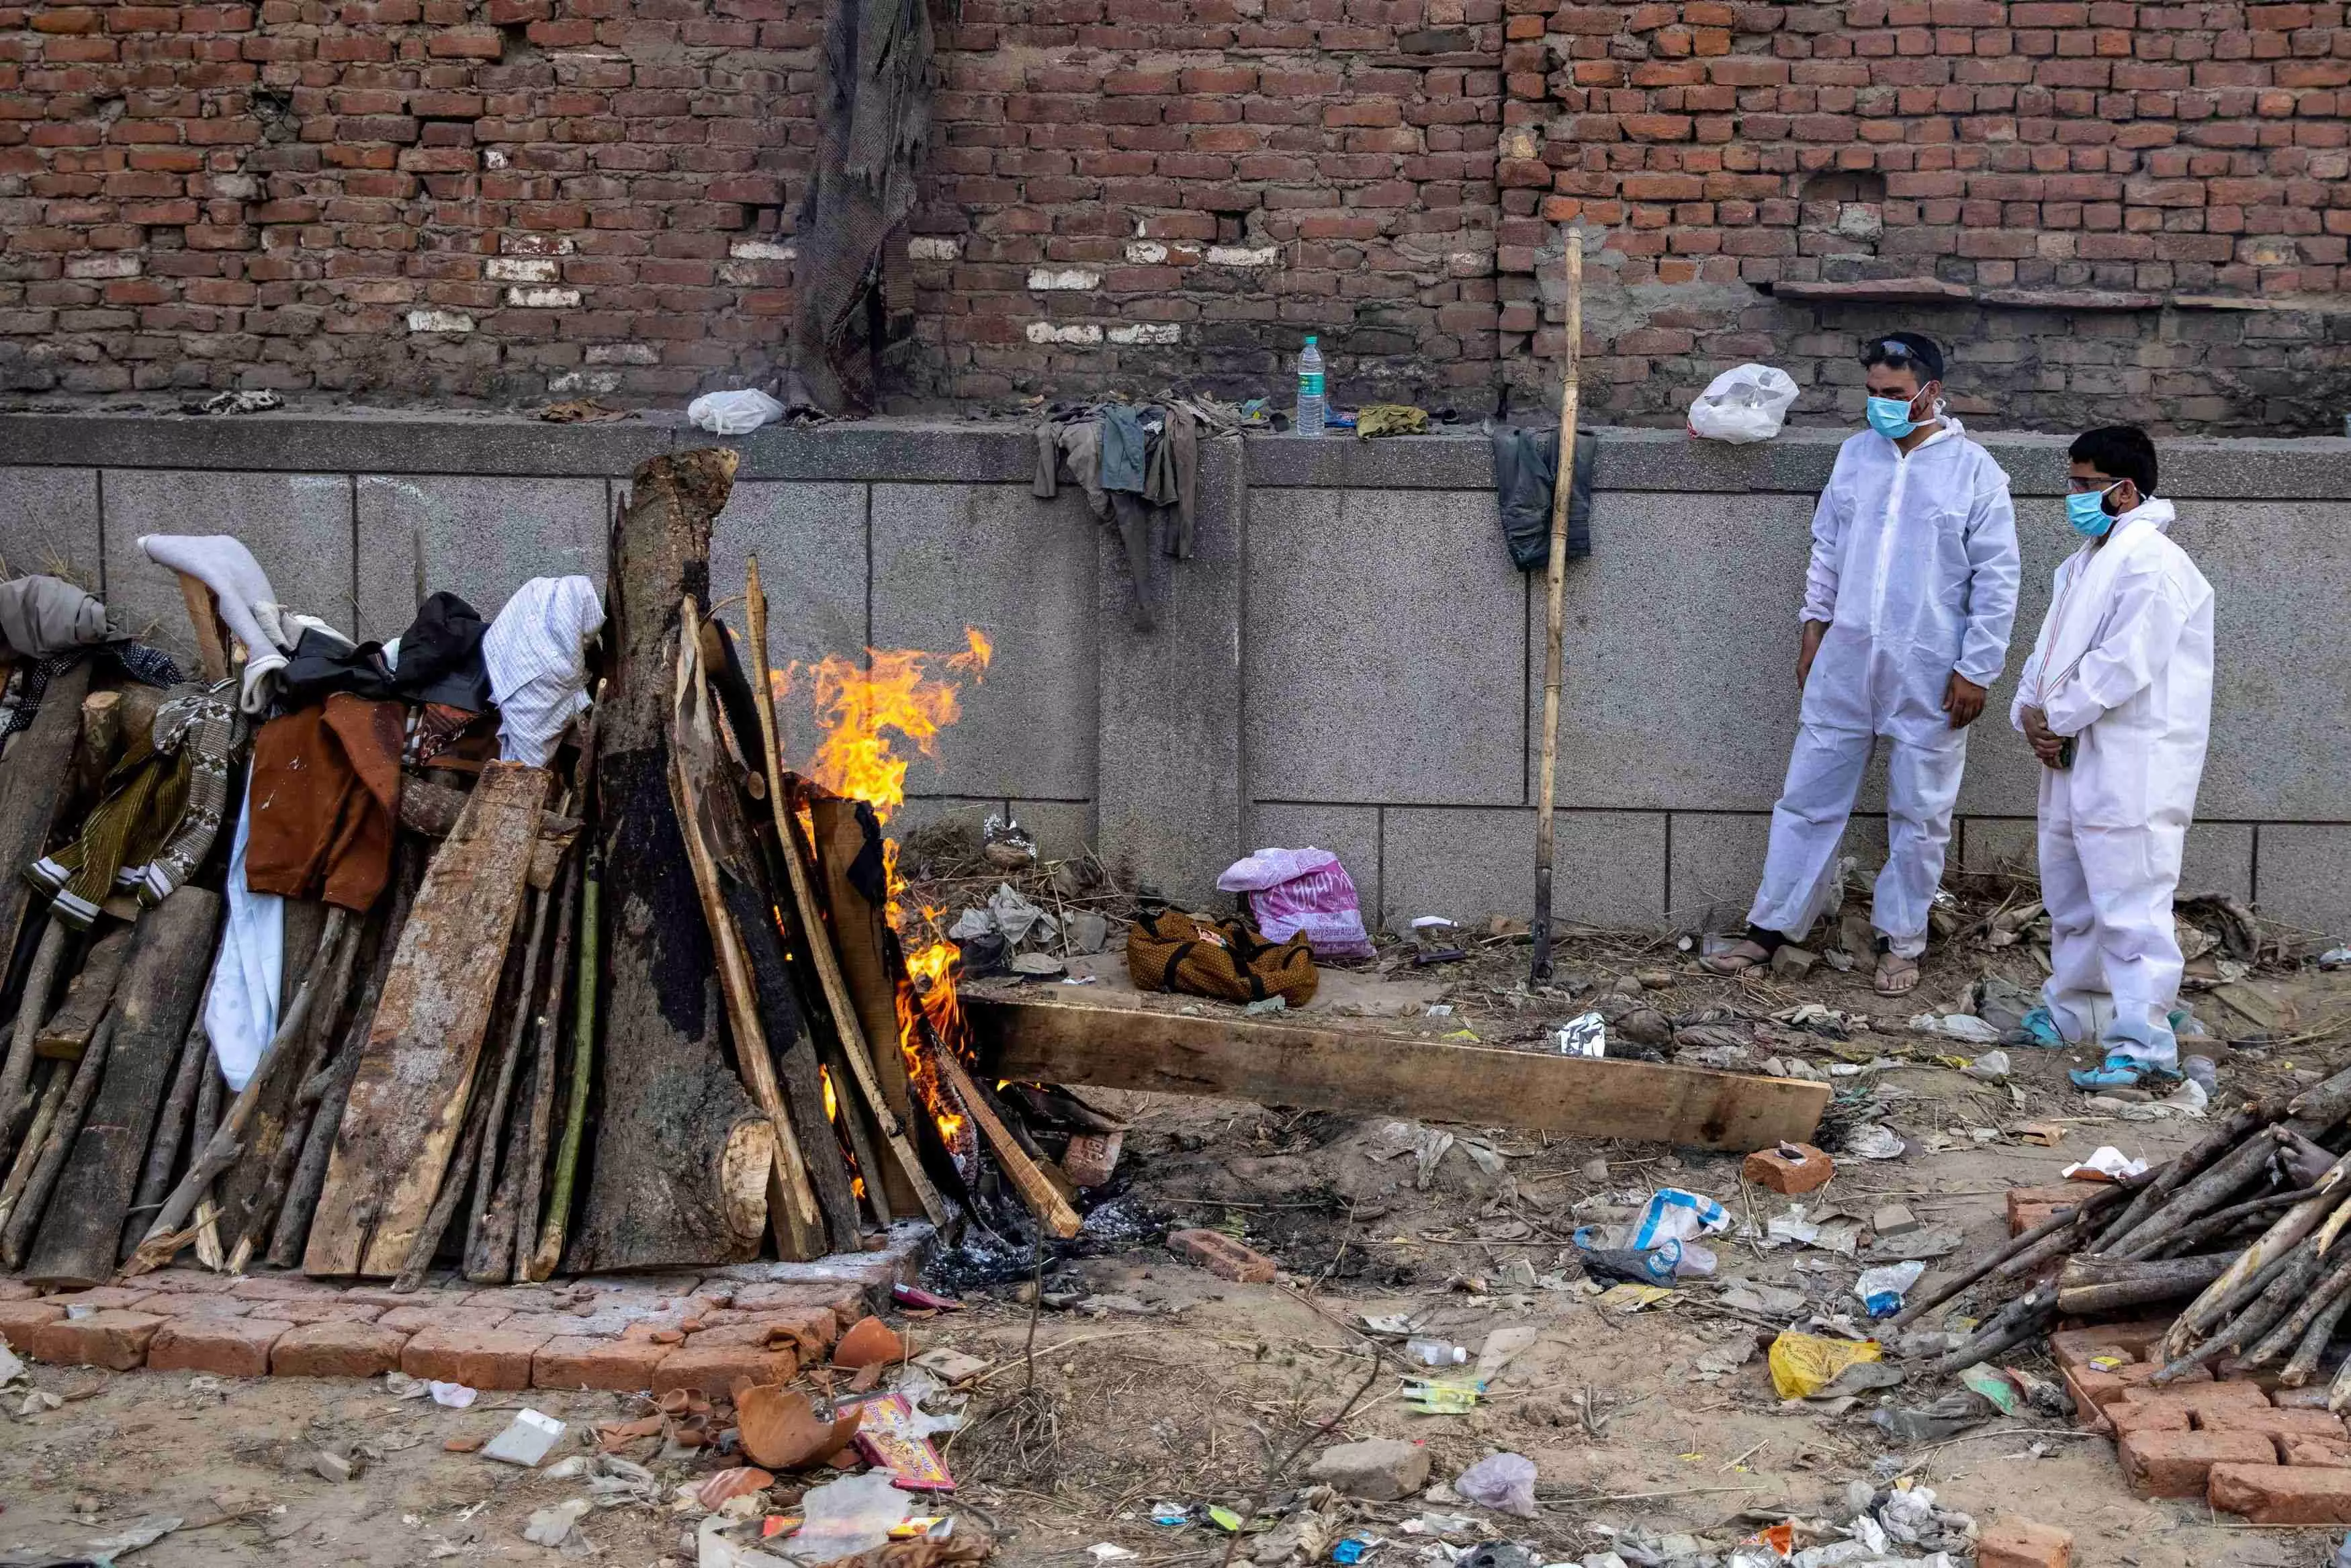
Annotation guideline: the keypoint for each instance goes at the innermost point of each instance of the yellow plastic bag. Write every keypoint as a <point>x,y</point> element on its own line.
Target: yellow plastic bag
<point>1804,1364</point>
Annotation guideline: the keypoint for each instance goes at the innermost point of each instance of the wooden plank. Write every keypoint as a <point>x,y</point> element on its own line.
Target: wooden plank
<point>857,928</point>
<point>798,1213</point>
<point>416,1075</point>
<point>35,778</point>
<point>1372,1073</point>
<point>81,1237</point>
<point>87,994</point>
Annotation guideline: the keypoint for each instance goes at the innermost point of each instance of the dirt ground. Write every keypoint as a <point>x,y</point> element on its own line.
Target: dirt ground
<point>1137,1378</point>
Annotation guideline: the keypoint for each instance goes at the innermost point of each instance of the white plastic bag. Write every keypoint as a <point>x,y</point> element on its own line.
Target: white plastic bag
<point>1744,404</point>
<point>736,413</point>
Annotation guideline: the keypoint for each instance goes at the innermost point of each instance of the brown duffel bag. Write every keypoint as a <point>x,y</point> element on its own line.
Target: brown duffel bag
<point>1224,958</point>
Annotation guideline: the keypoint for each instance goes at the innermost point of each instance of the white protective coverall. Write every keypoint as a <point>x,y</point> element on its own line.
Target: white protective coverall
<point>2124,665</point>
<point>1915,570</point>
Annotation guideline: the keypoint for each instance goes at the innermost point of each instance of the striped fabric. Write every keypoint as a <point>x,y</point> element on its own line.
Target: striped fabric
<point>537,653</point>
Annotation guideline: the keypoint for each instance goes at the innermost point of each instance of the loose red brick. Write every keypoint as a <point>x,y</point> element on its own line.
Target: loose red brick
<point>2107,1389</point>
<point>206,1307</point>
<point>2194,1398</point>
<point>2270,1422</point>
<point>714,1366</point>
<point>19,1320</point>
<point>17,1291</point>
<point>1222,1256</point>
<point>620,1365</point>
<point>1801,1170</point>
<point>2282,1494</point>
<point>102,1297</point>
<point>224,1346</point>
<point>2021,1544</point>
<point>111,1337</point>
<point>336,1348</point>
<point>323,1311</point>
<point>417,1319</point>
<point>2324,1453</point>
<point>2032,1206</point>
<point>2176,1464</point>
<point>2123,1419</point>
<point>2124,1342</point>
<point>478,1358</point>
<point>283,1288</point>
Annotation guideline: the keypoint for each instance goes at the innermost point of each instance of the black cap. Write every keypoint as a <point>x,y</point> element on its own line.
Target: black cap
<point>1900,347</point>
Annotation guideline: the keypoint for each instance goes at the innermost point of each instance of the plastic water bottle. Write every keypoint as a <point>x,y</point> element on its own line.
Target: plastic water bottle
<point>1434,1352</point>
<point>1308,419</point>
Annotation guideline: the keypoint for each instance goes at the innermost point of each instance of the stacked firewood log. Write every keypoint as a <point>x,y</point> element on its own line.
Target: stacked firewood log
<point>2244,1226</point>
<point>513,1060</point>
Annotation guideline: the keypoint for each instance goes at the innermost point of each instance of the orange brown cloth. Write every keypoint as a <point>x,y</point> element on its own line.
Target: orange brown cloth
<point>326,793</point>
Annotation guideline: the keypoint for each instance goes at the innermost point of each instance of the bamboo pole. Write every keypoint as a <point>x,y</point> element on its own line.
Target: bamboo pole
<point>798,860</point>
<point>542,1094</point>
<point>62,1133</point>
<point>1555,602</point>
<point>583,1064</point>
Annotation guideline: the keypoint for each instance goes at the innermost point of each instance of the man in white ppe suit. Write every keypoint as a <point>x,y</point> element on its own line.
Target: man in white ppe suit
<point>2116,701</point>
<point>1907,612</point>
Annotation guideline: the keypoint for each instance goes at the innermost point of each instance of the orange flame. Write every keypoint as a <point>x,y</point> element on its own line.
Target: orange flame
<point>862,713</point>
<point>858,708</point>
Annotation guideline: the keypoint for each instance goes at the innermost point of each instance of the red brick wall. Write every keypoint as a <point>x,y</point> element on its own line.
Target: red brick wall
<point>510,199</point>
<point>2074,187</point>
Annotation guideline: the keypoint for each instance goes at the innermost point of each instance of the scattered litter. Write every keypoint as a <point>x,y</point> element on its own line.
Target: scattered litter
<point>454,1396</point>
<point>1356,1548</point>
<point>1945,1417</point>
<point>2048,1135</point>
<point>725,1486</point>
<point>1291,891</point>
<point>136,1536</point>
<point>1871,1141</point>
<point>328,1465</point>
<point>1994,1385</point>
<point>1269,1004</point>
<point>559,1525</point>
<point>1005,844</point>
<point>1630,1298</point>
<point>1881,1290</point>
<point>847,1516</point>
<point>259,401</point>
<point>1583,1037</point>
<point>733,414</point>
<point>1224,1518</point>
<point>1436,1352</point>
<point>951,1364</point>
<point>1904,1246</point>
<point>1110,1552</point>
<point>1743,405</point>
<point>1770,1300</point>
<point>2335,958</point>
<point>2107,1163</point>
<point>1446,1396</point>
<point>894,1435</point>
<point>527,1439</point>
<point>1802,1364</point>
<point>1502,1347</point>
<point>1991,1067</point>
<point>1504,1482</point>
<point>401,1386</point>
<point>11,1368</point>
<point>1171,1513</point>
<point>916,1296</point>
<point>1961,1026</point>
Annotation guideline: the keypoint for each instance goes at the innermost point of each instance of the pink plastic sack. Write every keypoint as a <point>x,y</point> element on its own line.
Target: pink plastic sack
<point>1294,890</point>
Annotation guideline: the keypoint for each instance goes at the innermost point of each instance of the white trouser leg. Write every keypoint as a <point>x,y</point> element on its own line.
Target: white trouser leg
<point>2075,992</point>
<point>1799,873</point>
<point>1922,784</point>
<point>2132,873</point>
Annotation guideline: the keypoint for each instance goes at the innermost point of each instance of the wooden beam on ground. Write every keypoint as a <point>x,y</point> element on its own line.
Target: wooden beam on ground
<point>1370,1073</point>
<point>79,1241</point>
<point>416,1077</point>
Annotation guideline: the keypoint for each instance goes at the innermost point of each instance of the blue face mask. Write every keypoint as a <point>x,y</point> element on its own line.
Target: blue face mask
<point>2087,512</point>
<point>1890,417</point>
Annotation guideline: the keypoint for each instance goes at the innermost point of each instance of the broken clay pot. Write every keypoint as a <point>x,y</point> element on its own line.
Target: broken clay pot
<point>869,1341</point>
<point>780,1429</point>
